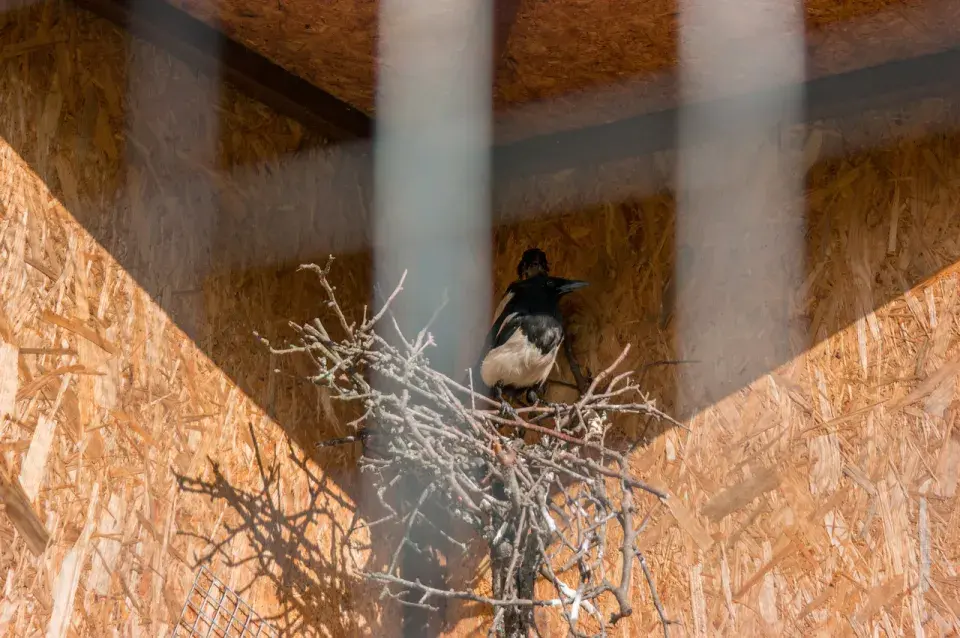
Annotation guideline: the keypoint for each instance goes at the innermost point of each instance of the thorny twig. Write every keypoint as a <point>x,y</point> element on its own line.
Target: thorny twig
<point>545,509</point>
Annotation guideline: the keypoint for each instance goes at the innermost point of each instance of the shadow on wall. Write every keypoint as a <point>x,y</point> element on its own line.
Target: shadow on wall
<point>132,143</point>
<point>286,547</point>
<point>145,155</point>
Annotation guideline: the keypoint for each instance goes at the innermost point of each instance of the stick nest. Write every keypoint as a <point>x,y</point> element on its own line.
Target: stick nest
<point>547,510</point>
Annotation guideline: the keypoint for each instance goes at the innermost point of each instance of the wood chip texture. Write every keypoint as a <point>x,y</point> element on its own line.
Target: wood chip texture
<point>128,314</point>
<point>109,158</point>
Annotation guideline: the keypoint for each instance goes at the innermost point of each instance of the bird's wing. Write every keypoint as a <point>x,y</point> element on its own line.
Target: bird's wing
<point>501,328</point>
<point>505,329</point>
<point>506,321</point>
<point>501,317</point>
<point>503,303</point>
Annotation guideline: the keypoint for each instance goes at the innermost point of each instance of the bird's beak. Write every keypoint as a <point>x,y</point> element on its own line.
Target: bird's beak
<point>569,285</point>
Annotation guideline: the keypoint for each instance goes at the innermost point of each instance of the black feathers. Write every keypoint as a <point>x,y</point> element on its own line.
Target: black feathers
<point>543,331</point>
<point>533,262</point>
<point>522,345</point>
<point>532,305</point>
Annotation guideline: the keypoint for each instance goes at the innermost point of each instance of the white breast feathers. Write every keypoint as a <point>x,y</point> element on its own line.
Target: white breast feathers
<point>517,363</point>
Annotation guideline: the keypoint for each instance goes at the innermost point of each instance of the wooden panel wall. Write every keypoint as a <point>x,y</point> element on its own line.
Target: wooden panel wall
<point>127,351</point>
<point>112,210</point>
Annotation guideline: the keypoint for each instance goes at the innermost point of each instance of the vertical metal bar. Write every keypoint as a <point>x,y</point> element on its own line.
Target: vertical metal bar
<point>172,236</point>
<point>432,165</point>
<point>432,179</point>
<point>740,219</point>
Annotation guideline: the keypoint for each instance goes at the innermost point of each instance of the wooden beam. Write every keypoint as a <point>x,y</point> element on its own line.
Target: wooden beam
<point>882,86</point>
<point>211,51</point>
<point>889,85</point>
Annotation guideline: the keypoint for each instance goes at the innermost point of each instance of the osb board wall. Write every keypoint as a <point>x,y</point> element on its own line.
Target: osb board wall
<point>105,399</point>
<point>98,437</point>
<point>825,420</point>
<point>556,49</point>
<point>821,498</point>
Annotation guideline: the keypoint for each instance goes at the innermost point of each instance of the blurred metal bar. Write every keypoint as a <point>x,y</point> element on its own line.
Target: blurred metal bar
<point>158,108</point>
<point>432,164</point>
<point>740,211</point>
<point>209,50</point>
<point>432,201</point>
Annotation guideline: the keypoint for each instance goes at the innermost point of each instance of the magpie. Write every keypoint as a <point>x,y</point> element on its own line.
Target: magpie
<point>522,345</point>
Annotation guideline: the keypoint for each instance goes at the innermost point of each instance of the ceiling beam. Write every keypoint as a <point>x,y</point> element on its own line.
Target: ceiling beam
<point>884,86</point>
<point>209,50</point>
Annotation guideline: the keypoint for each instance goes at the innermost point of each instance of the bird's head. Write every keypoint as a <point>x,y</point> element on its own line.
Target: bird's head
<point>533,263</point>
<point>559,286</point>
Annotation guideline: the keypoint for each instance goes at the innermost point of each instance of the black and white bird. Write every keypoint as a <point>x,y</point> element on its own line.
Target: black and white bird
<point>522,345</point>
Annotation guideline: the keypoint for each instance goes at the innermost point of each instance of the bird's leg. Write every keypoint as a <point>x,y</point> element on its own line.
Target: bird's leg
<point>506,410</point>
<point>535,396</point>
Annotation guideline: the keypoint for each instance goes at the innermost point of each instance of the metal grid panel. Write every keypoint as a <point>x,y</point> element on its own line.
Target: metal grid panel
<point>213,610</point>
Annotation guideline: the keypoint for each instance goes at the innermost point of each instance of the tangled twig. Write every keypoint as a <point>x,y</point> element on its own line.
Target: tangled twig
<point>546,509</point>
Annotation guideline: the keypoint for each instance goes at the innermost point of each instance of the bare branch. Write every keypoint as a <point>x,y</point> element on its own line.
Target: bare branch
<point>545,510</point>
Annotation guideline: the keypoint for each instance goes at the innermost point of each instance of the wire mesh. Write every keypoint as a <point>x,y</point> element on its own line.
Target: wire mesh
<point>213,610</point>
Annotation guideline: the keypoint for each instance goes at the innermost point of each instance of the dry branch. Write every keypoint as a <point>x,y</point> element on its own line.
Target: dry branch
<point>545,509</point>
